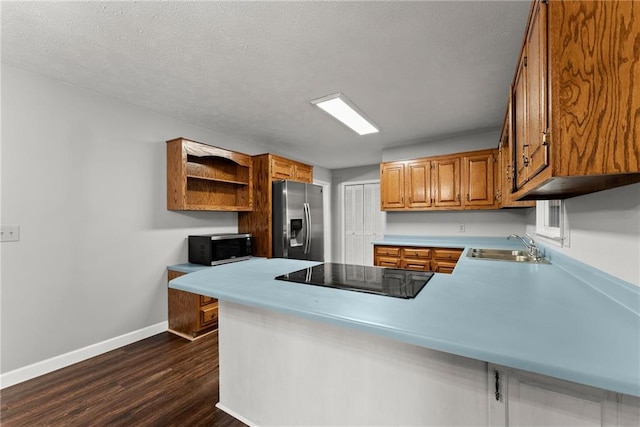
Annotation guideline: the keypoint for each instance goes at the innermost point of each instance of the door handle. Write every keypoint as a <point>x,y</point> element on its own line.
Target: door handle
<point>307,240</point>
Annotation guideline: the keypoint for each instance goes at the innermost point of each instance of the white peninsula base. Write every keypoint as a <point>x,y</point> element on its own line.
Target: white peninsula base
<point>280,369</point>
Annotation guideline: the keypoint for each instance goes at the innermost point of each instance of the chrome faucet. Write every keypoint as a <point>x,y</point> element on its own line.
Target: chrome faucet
<point>534,251</point>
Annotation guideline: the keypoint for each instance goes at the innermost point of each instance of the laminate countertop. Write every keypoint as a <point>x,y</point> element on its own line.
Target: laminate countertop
<point>564,319</point>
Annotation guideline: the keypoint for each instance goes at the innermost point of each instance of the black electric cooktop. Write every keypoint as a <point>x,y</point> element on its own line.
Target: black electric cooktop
<point>391,282</point>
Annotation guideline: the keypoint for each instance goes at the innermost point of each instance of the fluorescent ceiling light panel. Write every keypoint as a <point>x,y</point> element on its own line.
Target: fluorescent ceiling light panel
<point>340,107</point>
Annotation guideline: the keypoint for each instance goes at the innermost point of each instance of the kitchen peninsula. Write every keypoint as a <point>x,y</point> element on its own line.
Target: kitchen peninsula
<point>300,354</point>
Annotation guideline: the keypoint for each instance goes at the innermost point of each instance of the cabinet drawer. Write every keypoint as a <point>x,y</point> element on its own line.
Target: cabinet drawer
<point>209,314</point>
<point>416,264</point>
<point>388,262</point>
<point>204,300</point>
<point>416,253</point>
<point>444,266</point>
<point>447,254</point>
<point>388,251</point>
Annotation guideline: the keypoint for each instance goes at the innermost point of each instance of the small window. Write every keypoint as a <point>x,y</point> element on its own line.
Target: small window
<point>551,220</point>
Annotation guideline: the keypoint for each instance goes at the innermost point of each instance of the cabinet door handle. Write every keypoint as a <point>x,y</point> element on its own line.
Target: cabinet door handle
<point>458,197</point>
<point>468,200</point>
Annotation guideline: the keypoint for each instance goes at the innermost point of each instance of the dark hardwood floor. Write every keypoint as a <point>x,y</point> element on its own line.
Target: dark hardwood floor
<point>160,381</point>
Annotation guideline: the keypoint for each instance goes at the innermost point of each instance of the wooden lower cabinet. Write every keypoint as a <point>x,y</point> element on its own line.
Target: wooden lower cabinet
<point>445,260</point>
<point>439,260</point>
<point>191,315</point>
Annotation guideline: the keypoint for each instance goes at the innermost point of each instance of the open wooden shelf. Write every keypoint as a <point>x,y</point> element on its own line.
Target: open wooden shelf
<point>203,177</point>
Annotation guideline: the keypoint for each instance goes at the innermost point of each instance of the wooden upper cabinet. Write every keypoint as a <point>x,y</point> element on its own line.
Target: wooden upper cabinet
<point>282,168</point>
<point>453,182</point>
<point>446,182</point>
<point>418,184</point>
<point>576,99</point>
<point>303,173</point>
<point>259,222</point>
<point>520,125</point>
<point>504,172</point>
<point>536,64</point>
<point>203,177</point>
<point>392,185</point>
<point>530,100</point>
<point>479,179</point>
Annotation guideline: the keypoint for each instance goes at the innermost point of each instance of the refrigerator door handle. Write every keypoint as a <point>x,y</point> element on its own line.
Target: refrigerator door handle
<point>307,228</point>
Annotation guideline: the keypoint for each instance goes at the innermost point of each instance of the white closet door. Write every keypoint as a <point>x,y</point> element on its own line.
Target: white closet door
<point>364,222</point>
<point>353,200</point>
<point>372,218</point>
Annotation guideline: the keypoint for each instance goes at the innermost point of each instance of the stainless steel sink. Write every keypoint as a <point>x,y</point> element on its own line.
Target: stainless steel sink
<point>504,255</point>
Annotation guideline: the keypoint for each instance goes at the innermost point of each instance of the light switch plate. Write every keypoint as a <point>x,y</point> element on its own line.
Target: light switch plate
<point>9,233</point>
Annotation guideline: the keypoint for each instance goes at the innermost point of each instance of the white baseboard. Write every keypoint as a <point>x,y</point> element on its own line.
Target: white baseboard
<point>44,367</point>
<point>236,416</point>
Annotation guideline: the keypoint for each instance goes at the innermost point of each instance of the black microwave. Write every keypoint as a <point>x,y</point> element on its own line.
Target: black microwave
<point>214,249</point>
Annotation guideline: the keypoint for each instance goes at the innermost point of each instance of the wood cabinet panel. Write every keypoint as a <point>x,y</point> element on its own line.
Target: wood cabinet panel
<point>259,222</point>
<point>520,125</point>
<point>203,177</point>
<point>479,179</point>
<point>446,180</point>
<point>209,315</point>
<point>383,261</point>
<point>392,185</point>
<point>423,253</point>
<point>204,300</point>
<point>190,315</point>
<point>437,183</point>
<point>303,173</point>
<point>418,185</point>
<point>440,260</point>
<point>531,100</point>
<point>281,169</point>
<point>416,264</point>
<point>505,175</point>
<point>536,63</point>
<point>576,99</point>
<point>446,254</point>
<point>445,267</point>
<point>392,251</point>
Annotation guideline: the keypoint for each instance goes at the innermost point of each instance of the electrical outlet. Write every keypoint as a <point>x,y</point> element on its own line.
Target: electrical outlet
<point>9,233</point>
<point>461,228</point>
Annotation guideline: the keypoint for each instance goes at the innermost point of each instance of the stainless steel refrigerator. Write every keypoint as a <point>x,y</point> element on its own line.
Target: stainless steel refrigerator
<point>298,223</point>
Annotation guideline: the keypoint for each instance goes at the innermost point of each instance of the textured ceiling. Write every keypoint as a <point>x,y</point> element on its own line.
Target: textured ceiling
<point>420,70</point>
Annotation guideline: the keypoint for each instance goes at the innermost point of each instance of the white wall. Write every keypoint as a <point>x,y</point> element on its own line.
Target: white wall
<point>477,223</point>
<point>83,175</point>
<point>604,231</point>
<point>454,144</point>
